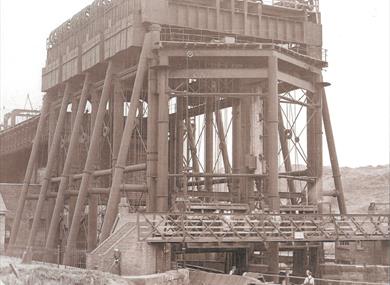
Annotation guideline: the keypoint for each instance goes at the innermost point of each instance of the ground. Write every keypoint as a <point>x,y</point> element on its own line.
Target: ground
<point>44,274</point>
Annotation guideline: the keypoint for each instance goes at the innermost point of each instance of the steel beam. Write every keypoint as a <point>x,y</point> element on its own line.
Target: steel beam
<point>51,160</point>
<point>113,201</point>
<point>333,155</point>
<point>29,171</point>
<point>88,168</point>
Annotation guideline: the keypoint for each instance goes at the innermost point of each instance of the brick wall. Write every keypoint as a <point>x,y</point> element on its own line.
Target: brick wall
<point>366,252</point>
<point>10,194</point>
<point>369,273</point>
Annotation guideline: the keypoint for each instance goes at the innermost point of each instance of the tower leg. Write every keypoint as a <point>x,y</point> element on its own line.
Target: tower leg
<point>88,168</point>
<point>51,159</point>
<point>333,156</point>
<point>59,204</point>
<point>94,199</point>
<point>314,146</point>
<point>114,198</point>
<point>152,148</point>
<point>271,155</point>
<point>29,171</point>
<point>163,126</point>
<point>209,142</point>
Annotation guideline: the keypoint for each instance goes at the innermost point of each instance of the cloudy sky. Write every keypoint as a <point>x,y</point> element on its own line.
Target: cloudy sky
<point>356,34</point>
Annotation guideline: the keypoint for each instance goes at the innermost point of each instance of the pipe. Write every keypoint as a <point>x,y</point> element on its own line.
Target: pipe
<point>59,204</point>
<point>29,172</point>
<point>113,201</point>
<point>51,160</point>
<point>87,174</point>
<point>333,155</point>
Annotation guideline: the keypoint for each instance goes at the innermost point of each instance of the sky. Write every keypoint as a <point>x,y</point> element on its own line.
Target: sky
<point>356,35</point>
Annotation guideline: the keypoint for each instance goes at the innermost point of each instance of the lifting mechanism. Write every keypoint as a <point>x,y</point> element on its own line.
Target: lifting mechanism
<point>207,116</point>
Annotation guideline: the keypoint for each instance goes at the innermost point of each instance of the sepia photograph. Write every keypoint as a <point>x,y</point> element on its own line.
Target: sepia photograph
<point>194,142</point>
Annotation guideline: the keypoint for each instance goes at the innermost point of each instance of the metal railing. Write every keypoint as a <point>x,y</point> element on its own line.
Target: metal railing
<point>183,227</point>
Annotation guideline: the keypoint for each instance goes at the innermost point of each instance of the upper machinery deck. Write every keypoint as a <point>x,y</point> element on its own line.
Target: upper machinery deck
<point>106,28</point>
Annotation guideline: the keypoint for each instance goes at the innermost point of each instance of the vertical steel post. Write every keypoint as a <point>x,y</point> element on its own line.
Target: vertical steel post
<point>114,198</point>
<point>162,196</point>
<point>271,154</point>
<point>236,145</point>
<point>245,147</point>
<point>209,142</point>
<point>286,153</point>
<point>88,168</point>
<point>33,158</point>
<point>59,204</point>
<point>333,155</point>
<point>51,159</point>
<point>152,148</point>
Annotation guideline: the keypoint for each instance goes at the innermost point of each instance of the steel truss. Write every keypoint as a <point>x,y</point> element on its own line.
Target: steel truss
<point>201,228</point>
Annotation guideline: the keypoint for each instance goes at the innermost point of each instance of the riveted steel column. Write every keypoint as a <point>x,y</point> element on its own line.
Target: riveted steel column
<point>51,159</point>
<point>333,155</point>
<point>114,198</point>
<point>209,142</point>
<point>75,165</point>
<point>33,158</point>
<point>59,204</point>
<point>162,202</point>
<point>118,120</point>
<point>236,142</point>
<point>271,155</point>
<point>179,140</point>
<point>314,145</point>
<point>93,199</point>
<point>152,149</point>
<point>88,168</point>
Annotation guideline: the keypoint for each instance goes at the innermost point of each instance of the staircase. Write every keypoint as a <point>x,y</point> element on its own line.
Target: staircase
<point>102,257</point>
